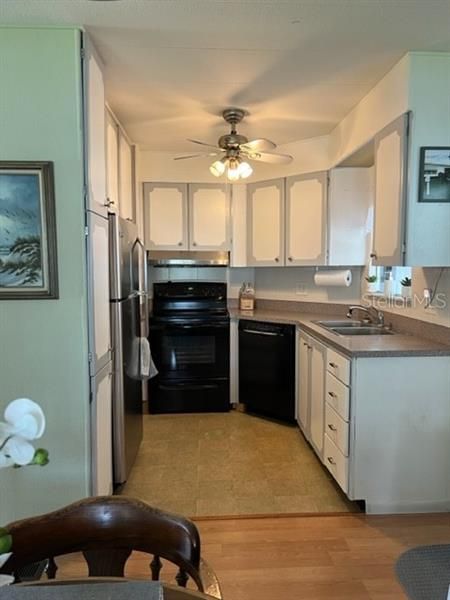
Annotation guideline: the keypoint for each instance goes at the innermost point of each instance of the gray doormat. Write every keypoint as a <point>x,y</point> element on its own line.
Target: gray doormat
<point>424,572</point>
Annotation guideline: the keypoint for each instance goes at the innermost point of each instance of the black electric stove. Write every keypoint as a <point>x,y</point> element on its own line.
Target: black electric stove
<point>190,342</point>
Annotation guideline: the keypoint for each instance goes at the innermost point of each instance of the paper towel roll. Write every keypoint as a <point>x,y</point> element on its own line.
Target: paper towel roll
<point>333,278</point>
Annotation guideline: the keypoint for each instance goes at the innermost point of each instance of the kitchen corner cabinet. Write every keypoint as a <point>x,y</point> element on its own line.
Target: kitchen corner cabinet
<point>350,201</point>
<point>306,219</point>
<point>378,424</point>
<point>391,159</point>
<point>126,179</point>
<point>265,223</point>
<point>180,216</point>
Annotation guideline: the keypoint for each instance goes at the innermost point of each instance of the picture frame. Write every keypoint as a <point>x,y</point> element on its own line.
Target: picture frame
<point>434,174</point>
<point>28,245</point>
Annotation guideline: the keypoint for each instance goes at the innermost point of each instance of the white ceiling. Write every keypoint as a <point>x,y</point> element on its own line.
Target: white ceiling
<point>297,66</point>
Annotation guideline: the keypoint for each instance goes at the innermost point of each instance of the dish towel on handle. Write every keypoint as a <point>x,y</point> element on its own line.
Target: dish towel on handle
<point>146,365</point>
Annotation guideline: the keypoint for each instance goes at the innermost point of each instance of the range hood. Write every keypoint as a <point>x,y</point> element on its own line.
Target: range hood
<point>187,258</point>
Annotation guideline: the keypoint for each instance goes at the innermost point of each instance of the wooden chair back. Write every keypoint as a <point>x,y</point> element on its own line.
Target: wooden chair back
<point>106,530</point>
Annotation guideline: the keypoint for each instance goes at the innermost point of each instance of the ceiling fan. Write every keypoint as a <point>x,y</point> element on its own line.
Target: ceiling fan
<point>236,150</point>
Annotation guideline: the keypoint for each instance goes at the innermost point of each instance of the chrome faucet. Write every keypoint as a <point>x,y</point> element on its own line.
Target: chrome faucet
<point>373,315</point>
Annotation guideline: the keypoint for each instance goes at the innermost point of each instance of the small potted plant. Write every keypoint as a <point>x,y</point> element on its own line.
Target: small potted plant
<point>406,287</point>
<point>371,283</point>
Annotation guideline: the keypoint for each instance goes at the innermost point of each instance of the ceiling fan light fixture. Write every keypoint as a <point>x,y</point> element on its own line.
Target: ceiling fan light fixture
<point>245,170</point>
<point>233,169</point>
<point>218,167</point>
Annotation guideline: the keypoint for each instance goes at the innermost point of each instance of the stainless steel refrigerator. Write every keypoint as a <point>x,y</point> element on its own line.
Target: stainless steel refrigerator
<point>126,251</point>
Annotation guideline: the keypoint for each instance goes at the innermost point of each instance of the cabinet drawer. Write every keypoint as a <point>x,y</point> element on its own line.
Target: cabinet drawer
<point>338,396</point>
<point>338,365</point>
<point>336,429</point>
<point>336,463</point>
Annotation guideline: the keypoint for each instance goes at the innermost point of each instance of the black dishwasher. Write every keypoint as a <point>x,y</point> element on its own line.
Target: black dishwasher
<point>267,368</point>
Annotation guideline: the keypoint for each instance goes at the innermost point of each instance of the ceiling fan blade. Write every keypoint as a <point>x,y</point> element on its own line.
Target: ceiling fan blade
<point>269,157</point>
<point>203,155</point>
<point>202,143</point>
<point>261,144</point>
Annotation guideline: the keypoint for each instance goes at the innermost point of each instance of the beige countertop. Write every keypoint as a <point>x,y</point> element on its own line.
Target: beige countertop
<point>398,344</point>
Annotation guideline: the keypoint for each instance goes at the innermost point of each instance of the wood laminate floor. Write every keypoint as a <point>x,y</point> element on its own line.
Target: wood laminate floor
<point>347,557</point>
<point>230,464</point>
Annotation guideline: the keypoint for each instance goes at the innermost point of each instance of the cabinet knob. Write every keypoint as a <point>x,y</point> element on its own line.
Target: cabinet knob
<point>373,255</point>
<point>332,394</point>
<point>332,427</point>
<point>108,202</point>
<point>277,259</point>
<point>194,243</point>
<point>290,258</point>
<point>333,365</point>
<point>180,243</point>
<point>331,460</point>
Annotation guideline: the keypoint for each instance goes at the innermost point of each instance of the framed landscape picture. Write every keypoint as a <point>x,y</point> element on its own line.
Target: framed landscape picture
<point>434,185</point>
<point>28,261</point>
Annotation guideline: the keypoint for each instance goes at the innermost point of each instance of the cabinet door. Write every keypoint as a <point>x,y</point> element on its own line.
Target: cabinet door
<point>303,383</point>
<point>126,179</point>
<point>265,211</point>
<point>306,219</point>
<point>390,188</point>
<point>101,433</point>
<point>112,162</point>
<point>317,395</point>
<point>94,109</point>
<point>98,285</point>
<point>209,216</point>
<point>350,201</point>
<point>165,216</point>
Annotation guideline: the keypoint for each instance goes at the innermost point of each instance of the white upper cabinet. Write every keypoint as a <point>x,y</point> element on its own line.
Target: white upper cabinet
<point>306,219</point>
<point>265,227</point>
<point>126,178</point>
<point>350,204</point>
<point>209,216</point>
<point>390,186</point>
<point>94,109</point>
<point>112,162</point>
<point>165,216</point>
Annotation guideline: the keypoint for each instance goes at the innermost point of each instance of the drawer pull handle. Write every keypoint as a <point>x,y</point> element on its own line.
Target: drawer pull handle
<point>331,460</point>
<point>332,394</point>
<point>333,365</point>
<point>332,427</point>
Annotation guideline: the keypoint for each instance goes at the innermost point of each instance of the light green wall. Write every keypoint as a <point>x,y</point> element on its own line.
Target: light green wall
<point>43,353</point>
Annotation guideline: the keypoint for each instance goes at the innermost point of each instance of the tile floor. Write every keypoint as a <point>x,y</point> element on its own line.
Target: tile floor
<point>230,464</point>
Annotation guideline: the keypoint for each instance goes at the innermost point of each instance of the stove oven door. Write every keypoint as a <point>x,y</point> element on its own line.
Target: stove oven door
<point>184,351</point>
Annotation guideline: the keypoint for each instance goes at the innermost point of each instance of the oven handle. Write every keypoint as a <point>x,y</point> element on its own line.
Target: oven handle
<point>206,386</point>
<point>198,326</point>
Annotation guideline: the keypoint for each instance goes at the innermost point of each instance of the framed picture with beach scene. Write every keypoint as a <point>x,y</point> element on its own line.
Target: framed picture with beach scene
<point>28,259</point>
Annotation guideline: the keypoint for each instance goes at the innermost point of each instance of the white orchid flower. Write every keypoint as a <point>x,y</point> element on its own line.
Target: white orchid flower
<point>24,421</point>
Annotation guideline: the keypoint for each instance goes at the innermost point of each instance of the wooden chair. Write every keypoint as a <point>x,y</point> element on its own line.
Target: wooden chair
<point>106,530</point>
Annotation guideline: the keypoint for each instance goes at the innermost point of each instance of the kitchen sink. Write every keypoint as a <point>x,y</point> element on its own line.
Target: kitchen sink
<point>361,330</point>
<point>353,328</point>
<point>347,324</point>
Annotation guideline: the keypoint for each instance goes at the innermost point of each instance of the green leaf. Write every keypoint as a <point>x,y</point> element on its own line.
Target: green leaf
<point>5,542</point>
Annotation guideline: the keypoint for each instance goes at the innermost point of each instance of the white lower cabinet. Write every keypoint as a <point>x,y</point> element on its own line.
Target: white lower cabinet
<point>379,425</point>
<point>311,358</point>
<point>336,462</point>
<point>101,432</point>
